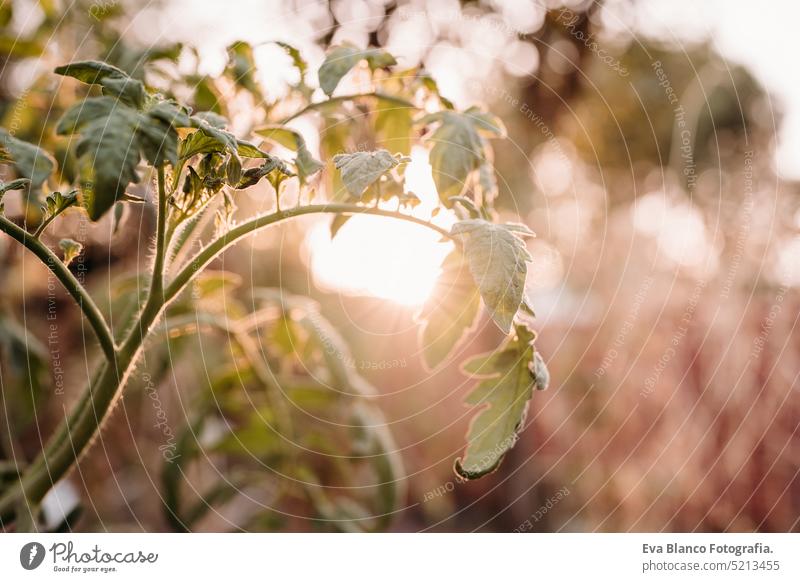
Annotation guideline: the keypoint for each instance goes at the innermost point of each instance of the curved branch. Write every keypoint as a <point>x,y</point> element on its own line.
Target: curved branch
<point>74,435</point>
<point>205,256</point>
<point>341,98</point>
<point>68,280</point>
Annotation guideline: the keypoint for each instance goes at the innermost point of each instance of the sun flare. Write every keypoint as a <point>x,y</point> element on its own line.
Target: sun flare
<point>384,257</point>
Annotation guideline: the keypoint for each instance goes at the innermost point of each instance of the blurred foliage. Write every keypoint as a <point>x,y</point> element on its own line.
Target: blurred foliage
<point>712,447</point>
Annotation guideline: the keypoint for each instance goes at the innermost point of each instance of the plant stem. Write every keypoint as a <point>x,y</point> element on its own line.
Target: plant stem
<point>73,437</point>
<point>205,256</point>
<point>68,280</point>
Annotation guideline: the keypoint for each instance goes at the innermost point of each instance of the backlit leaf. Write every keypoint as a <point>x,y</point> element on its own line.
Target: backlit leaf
<point>114,81</point>
<point>497,259</point>
<point>113,138</point>
<point>459,147</point>
<point>342,59</point>
<point>70,248</point>
<point>509,376</point>
<point>305,162</point>
<point>32,162</point>
<point>450,311</point>
<point>362,169</point>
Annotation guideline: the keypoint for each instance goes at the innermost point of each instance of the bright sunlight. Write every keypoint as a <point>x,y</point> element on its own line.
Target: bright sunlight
<point>382,257</point>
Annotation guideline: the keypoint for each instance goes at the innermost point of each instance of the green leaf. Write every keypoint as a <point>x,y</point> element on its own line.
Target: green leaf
<point>56,203</point>
<point>337,223</point>
<point>242,66</point>
<point>114,81</point>
<point>71,249</point>
<point>360,170</point>
<point>274,168</point>
<point>509,375</point>
<point>108,152</point>
<point>214,285</point>
<point>459,147</point>
<point>32,162</point>
<point>211,138</point>
<point>341,59</point>
<point>393,126</point>
<point>497,259</point>
<point>170,112</point>
<point>90,72</point>
<point>248,150</point>
<point>213,118</point>
<point>297,59</point>
<point>305,163</point>
<point>113,138</point>
<point>88,110</point>
<point>450,312</point>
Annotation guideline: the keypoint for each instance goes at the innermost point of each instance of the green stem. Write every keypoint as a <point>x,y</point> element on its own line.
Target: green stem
<point>68,280</point>
<point>205,256</point>
<point>73,437</point>
<point>45,223</point>
<point>319,104</point>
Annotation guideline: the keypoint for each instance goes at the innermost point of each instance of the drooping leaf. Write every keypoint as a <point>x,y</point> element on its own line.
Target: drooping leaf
<point>274,169</point>
<point>90,72</point>
<point>341,59</point>
<point>242,67</point>
<point>360,170</point>
<point>497,259</point>
<point>108,152</point>
<point>210,138</point>
<point>114,81</point>
<point>70,248</point>
<point>337,223</point>
<point>459,147</point>
<point>450,311</point>
<point>113,138</point>
<point>170,112</point>
<point>32,162</point>
<point>509,376</point>
<point>305,162</point>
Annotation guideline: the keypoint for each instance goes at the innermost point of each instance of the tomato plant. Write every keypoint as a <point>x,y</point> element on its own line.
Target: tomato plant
<point>194,168</point>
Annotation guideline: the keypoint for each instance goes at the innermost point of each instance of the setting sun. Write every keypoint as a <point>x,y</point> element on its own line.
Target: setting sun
<point>382,257</point>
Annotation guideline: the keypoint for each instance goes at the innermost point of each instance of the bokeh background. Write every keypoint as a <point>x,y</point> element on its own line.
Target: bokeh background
<point>653,147</point>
